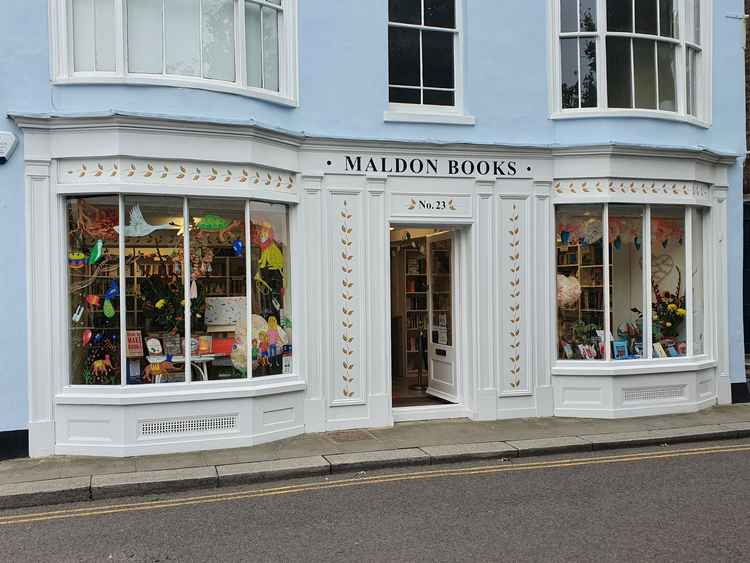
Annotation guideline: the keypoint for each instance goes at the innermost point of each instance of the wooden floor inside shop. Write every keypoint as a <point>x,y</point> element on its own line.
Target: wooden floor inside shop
<point>405,395</point>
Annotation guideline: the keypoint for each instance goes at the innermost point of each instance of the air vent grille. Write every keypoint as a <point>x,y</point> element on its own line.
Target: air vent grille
<point>654,393</point>
<point>187,425</point>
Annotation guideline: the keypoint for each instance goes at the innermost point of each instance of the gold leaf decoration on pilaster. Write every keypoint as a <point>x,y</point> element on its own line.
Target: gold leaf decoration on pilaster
<point>514,244</point>
<point>347,296</point>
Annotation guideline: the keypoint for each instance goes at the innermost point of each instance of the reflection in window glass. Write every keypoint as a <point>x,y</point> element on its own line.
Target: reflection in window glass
<point>644,66</point>
<point>669,309</point>
<point>271,341</point>
<point>667,78</point>
<point>698,312</point>
<point>645,16</point>
<point>270,49</point>
<point>154,290</point>
<point>218,291</point>
<point>668,18</point>
<point>145,36</point>
<point>588,15</point>
<point>403,56</point>
<point>620,15</point>
<point>569,54</point>
<point>94,290</point>
<point>618,72</point>
<point>568,16</point>
<point>440,13</point>
<point>405,11</point>
<point>626,279</point>
<point>440,290</point>
<point>437,53</point>
<point>588,73</point>
<point>218,39</point>
<point>580,282</point>
<point>182,37</point>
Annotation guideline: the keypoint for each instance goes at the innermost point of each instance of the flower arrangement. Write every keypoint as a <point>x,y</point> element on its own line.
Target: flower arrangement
<point>668,310</point>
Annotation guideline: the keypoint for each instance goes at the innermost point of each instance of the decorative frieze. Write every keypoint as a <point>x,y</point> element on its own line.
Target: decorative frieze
<point>174,173</point>
<point>629,189</point>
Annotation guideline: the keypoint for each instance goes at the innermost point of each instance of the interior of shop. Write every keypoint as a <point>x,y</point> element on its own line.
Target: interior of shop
<point>421,309</point>
<point>169,300</point>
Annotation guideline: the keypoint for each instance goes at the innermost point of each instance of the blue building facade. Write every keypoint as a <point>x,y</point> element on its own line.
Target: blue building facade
<point>497,105</point>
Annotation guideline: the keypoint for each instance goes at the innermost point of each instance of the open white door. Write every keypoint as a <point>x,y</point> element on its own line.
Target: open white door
<point>442,380</point>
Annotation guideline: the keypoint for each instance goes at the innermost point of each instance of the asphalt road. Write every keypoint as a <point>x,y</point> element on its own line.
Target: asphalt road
<point>688,503</point>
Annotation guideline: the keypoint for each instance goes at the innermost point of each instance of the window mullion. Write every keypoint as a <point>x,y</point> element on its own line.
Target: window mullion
<point>163,38</point>
<point>187,283</point>
<point>656,72</point>
<point>123,291</point>
<point>262,54</point>
<point>240,41</point>
<point>421,70</point>
<point>200,34</point>
<point>248,289</point>
<point>632,75</point>
<point>647,313</point>
<point>606,289</point>
<point>601,55</point>
<point>578,80</point>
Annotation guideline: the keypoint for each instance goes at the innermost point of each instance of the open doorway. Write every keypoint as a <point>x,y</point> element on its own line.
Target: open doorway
<point>423,301</point>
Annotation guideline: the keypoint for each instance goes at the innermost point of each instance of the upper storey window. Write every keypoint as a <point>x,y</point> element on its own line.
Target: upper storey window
<point>423,60</point>
<point>632,56</point>
<point>240,46</point>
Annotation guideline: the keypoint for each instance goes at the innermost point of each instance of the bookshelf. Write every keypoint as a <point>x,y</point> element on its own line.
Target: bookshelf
<point>415,304</point>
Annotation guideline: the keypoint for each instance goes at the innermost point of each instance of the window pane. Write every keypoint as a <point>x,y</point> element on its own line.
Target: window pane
<point>668,18</point>
<point>272,320</point>
<point>644,66</point>
<point>588,15</point>
<point>668,281</point>
<point>441,292</point>
<point>218,296</point>
<point>218,39</point>
<point>588,73</point>
<point>154,290</point>
<point>645,16</point>
<point>569,72</point>
<point>620,15</point>
<point>439,98</point>
<point>667,87</point>
<point>568,16</point>
<point>93,290</point>
<point>698,313</point>
<point>404,95</point>
<point>84,42</point>
<point>270,49</point>
<point>618,73</point>
<point>692,75</point>
<point>183,35</point>
<point>253,45</point>
<point>403,56</point>
<point>104,13</point>
<point>440,13</point>
<point>626,271</point>
<point>691,81</point>
<point>580,279</point>
<point>144,36</point>
<point>437,59</point>
<point>405,11</point>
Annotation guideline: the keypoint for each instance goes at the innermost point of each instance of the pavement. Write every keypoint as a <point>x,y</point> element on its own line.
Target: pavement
<point>65,479</point>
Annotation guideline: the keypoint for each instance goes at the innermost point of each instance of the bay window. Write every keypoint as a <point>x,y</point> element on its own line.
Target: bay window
<point>630,281</point>
<point>240,46</point>
<point>631,56</point>
<point>189,289</point>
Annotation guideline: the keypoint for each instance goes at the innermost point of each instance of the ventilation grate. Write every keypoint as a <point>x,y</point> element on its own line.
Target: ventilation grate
<point>187,425</point>
<point>654,393</point>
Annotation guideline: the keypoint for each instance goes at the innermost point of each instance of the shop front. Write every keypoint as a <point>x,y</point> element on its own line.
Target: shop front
<point>196,286</point>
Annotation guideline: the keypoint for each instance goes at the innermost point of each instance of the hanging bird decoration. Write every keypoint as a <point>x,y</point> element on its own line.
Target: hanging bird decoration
<point>138,226</point>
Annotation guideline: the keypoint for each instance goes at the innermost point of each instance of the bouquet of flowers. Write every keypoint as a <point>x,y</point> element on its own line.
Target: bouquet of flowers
<point>668,310</point>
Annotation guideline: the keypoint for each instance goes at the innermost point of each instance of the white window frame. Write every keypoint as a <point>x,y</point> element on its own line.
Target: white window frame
<point>704,83</point>
<point>421,113</point>
<point>63,69</point>
<point>648,359</point>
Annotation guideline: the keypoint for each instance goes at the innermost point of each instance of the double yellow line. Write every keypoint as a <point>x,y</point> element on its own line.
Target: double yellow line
<point>353,482</point>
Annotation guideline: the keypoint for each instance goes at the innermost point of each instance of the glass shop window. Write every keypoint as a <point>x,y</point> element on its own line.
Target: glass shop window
<point>606,296</point>
<point>192,311</point>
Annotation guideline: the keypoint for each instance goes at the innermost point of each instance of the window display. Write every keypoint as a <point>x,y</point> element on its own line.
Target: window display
<point>187,299</point>
<point>601,310</point>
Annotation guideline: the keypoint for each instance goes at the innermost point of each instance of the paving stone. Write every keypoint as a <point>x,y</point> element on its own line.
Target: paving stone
<point>466,452</point>
<point>152,482</point>
<point>241,473</point>
<point>550,445</point>
<point>51,491</point>
<point>742,428</point>
<point>375,460</point>
<point>661,436</point>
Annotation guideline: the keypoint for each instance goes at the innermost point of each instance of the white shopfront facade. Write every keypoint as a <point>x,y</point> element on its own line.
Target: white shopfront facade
<point>340,198</point>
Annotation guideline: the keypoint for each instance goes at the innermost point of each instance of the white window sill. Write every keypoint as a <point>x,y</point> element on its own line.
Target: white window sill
<point>179,392</point>
<point>642,113</point>
<point>180,82</point>
<point>616,368</point>
<point>416,116</point>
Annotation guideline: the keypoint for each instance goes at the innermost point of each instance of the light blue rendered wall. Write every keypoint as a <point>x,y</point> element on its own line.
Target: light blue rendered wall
<point>343,93</point>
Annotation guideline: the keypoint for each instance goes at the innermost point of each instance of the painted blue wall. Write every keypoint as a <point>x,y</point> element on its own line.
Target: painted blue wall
<point>343,93</point>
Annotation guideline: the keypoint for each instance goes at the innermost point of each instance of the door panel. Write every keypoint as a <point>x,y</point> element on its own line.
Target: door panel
<point>441,381</point>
